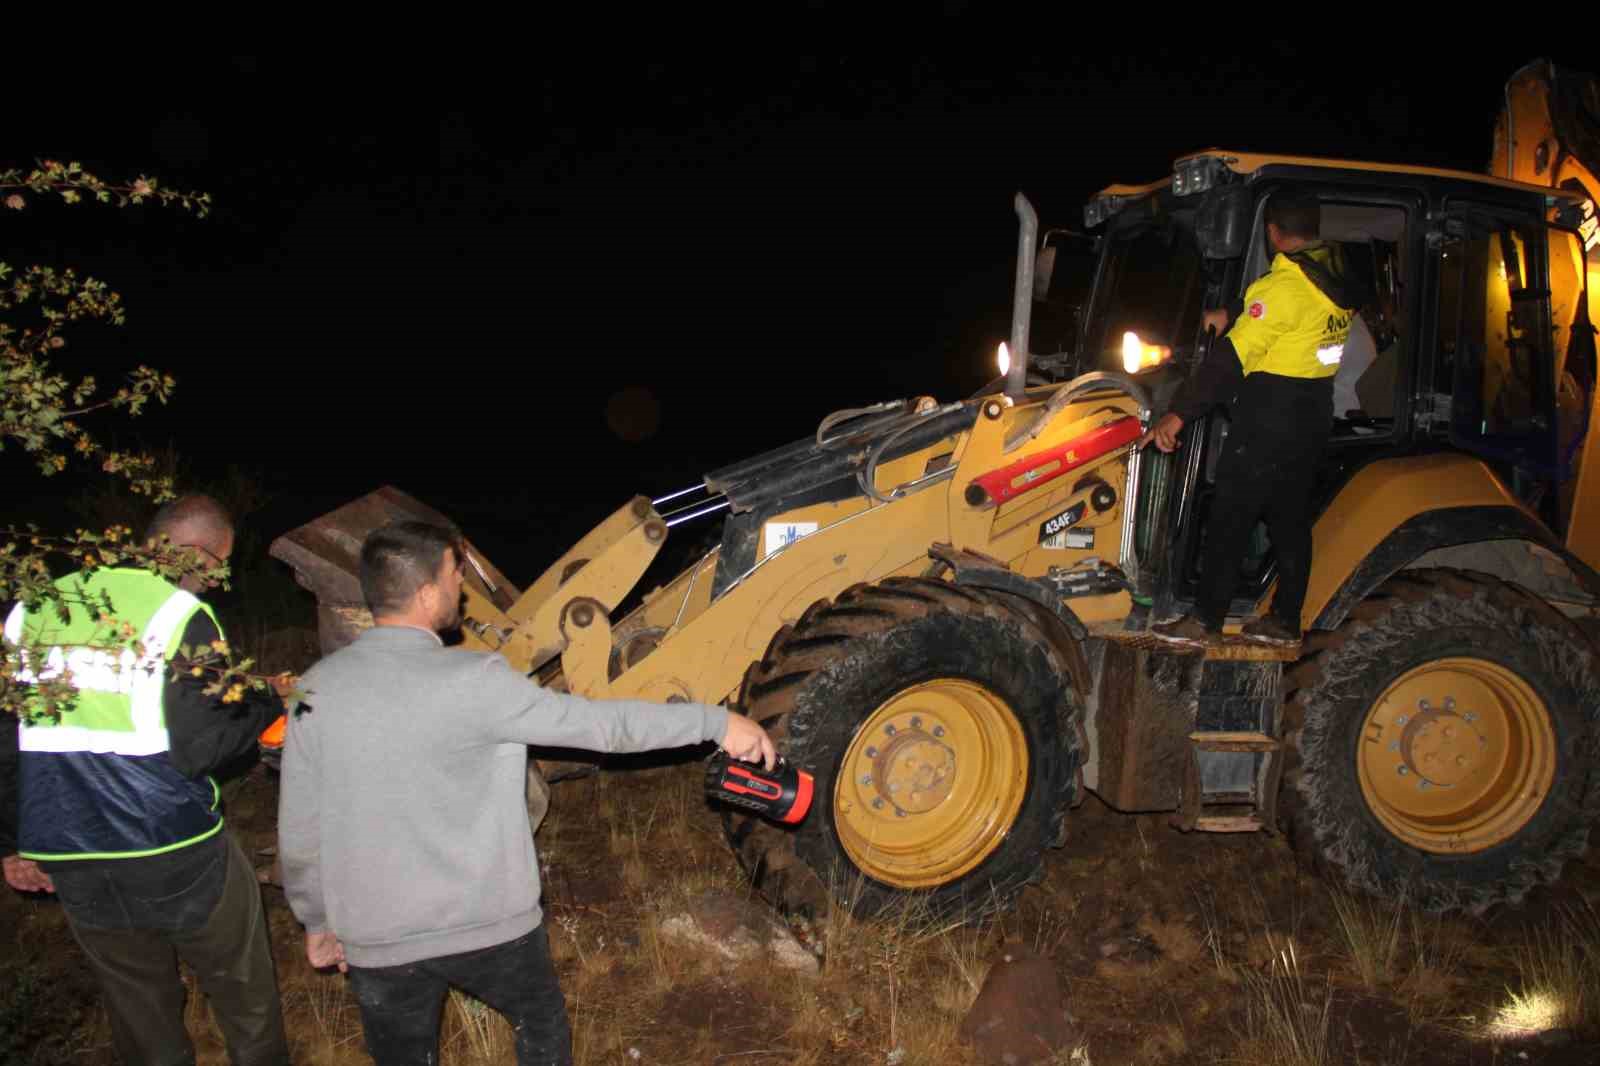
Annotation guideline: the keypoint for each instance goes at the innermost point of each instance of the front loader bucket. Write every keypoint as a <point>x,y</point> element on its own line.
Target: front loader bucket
<point>325,554</point>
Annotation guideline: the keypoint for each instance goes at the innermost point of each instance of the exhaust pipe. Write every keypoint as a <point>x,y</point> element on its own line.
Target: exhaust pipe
<point>1022,297</point>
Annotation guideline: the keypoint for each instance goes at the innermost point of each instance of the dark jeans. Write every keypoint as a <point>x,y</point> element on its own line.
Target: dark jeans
<point>400,1005</point>
<point>134,918</point>
<point>1280,428</point>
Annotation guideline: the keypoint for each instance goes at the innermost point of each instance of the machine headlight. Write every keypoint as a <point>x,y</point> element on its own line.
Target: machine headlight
<point>1002,359</point>
<point>1137,356</point>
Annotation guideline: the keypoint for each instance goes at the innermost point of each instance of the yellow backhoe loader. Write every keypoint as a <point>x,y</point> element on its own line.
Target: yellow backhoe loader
<point>942,610</point>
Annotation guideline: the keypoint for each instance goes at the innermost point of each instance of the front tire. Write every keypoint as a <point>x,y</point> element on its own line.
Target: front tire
<point>940,725</point>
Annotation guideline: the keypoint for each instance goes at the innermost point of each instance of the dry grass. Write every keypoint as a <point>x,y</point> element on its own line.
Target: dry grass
<point>1434,957</point>
<point>1558,979</point>
<point>323,1021</point>
<point>1372,933</point>
<point>1215,940</point>
<point>1246,972</point>
<point>1391,948</point>
<point>1286,1021</point>
<point>472,1032</point>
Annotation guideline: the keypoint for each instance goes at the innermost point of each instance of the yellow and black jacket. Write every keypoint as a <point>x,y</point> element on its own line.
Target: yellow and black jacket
<point>1292,322</point>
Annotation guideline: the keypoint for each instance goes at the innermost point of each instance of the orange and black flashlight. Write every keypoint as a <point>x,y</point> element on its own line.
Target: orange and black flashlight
<point>784,794</point>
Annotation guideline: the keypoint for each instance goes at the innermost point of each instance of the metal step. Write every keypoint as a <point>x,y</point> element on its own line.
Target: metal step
<point>1208,741</point>
<point>1224,823</point>
<point>1199,812</point>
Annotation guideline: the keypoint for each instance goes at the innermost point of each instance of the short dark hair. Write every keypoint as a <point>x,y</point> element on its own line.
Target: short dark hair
<point>1296,213</point>
<point>400,558</point>
<point>190,520</point>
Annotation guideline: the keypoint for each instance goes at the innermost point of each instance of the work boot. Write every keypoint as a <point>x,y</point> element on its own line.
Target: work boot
<point>1186,630</point>
<point>1270,629</point>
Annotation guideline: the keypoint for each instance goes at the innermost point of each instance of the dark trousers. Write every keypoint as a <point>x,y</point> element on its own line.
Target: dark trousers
<point>1280,428</point>
<point>135,918</point>
<point>400,1005</point>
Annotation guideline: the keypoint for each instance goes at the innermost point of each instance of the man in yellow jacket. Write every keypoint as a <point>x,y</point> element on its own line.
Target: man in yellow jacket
<point>1275,369</point>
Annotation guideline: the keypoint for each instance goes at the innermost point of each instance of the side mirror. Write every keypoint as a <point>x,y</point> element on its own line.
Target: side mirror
<point>1043,265</point>
<point>1222,226</point>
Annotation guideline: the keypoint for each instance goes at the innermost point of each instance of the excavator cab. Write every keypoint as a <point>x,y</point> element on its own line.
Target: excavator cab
<point>1458,341</point>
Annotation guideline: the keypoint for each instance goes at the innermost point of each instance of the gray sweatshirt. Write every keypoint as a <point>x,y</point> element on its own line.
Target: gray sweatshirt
<point>402,824</point>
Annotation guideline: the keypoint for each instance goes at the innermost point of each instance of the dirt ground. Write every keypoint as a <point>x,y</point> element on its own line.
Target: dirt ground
<point>1170,948</point>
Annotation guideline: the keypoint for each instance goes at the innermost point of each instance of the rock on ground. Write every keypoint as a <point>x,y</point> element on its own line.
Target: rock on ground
<point>738,930</point>
<point>1020,1015</point>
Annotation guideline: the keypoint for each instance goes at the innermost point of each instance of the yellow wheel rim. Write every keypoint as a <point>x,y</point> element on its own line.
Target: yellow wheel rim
<point>931,784</point>
<point>1456,756</point>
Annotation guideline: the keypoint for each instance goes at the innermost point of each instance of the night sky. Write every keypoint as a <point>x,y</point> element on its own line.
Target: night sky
<point>526,287</point>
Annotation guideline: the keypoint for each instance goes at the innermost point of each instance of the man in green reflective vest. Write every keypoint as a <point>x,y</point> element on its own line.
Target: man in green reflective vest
<point>118,813</point>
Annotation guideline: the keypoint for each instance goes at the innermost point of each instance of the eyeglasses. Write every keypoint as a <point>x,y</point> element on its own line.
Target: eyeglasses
<point>208,552</point>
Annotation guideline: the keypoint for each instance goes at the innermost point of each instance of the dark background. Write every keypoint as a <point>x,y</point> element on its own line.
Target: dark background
<point>524,287</point>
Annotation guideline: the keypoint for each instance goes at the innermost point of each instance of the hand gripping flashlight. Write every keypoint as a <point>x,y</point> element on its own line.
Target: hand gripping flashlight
<point>784,794</point>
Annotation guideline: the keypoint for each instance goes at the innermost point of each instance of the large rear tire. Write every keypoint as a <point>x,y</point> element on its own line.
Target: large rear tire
<point>940,725</point>
<point>1442,743</point>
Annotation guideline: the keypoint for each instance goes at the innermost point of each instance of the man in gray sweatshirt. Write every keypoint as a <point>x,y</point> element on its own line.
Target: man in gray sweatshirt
<point>402,822</point>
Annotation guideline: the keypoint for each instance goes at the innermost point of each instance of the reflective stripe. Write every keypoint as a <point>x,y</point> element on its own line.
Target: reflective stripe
<point>1330,355</point>
<point>159,635</point>
<point>63,738</point>
<point>141,680</point>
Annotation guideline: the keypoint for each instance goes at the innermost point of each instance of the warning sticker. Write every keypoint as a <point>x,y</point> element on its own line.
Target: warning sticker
<point>780,535</point>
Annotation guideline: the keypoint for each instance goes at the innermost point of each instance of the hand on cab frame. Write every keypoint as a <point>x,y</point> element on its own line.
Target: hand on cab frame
<point>1164,432</point>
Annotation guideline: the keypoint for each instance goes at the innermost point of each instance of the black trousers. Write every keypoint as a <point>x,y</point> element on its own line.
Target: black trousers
<point>400,1005</point>
<point>1280,428</point>
<point>134,918</point>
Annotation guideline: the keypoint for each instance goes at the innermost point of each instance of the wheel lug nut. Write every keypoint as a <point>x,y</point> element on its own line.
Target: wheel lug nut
<point>889,729</point>
<point>866,779</point>
<point>872,753</point>
<point>898,813</point>
<point>1449,703</point>
<point>1399,719</point>
<point>916,723</point>
<point>877,804</point>
<point>1402,771</point>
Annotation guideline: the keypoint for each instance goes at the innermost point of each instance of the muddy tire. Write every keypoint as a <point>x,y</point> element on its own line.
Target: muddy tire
<point>1442,743</point>
<point>940,725</point>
